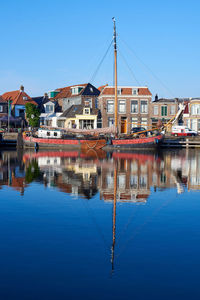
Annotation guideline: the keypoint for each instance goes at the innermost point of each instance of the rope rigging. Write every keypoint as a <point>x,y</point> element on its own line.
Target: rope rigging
<point>100,63</point>
<point>147,68</point>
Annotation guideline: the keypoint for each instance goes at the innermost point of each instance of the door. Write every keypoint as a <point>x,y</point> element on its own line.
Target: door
<point>123,125</point>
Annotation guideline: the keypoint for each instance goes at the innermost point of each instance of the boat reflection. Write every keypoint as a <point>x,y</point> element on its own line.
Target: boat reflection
<point>85,173</point>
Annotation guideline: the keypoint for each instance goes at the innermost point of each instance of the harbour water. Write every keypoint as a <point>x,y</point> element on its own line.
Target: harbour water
<point>99,225</point>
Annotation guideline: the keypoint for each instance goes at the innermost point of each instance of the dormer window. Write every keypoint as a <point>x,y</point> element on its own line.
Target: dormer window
<point>86,111</point>
<point>91,89</point>
<point>119,91</point>
<point>25,98</point>
<point>49,108</point>
<point>76,90</point>
<point>134,91</point>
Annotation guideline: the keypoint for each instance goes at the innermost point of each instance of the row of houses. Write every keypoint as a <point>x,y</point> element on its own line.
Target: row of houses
<point>83,106</point>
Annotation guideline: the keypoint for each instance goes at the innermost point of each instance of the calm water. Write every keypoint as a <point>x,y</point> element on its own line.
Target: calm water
<point>99,226</point>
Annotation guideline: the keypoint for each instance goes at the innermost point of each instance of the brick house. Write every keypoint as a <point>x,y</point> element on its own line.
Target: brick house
<point>191,115</point>
<point>3,107</point>
<point>18,100</point>
<point>164,110</point>
<point>85,94</point>
<point>133,107</point>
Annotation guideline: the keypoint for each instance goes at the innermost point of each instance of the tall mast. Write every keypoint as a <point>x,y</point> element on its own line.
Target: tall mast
<point>115,58</point>
<point>114,216</point>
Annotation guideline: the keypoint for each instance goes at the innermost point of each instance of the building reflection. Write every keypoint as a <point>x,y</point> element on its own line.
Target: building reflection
<point>84,174</point>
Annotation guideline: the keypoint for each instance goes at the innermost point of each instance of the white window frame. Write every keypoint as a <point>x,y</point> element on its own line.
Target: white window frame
<point>144,105</point>
<point>1,108</point>
<point>172,109</point>
<point>110,106</point>
<point>134,91</point>
<point>134,105</point>
<point>120,104</point>
<point>155,107</point>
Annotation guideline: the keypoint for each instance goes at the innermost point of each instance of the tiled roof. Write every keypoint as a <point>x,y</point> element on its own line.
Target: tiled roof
<point>67,92</point>
<point>17,98</point>
<point>76,110</point>
<point>142,91</point>
<point>102,87</point>
<point>2,101</point>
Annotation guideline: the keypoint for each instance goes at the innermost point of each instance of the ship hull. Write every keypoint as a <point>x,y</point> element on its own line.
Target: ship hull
<point>138,143</point>
<point>33,142</point>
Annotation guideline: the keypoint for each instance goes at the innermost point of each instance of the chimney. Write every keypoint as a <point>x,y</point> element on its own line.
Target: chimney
<point>46,95</point>
<point>156,97</point>
<point>21,88</point>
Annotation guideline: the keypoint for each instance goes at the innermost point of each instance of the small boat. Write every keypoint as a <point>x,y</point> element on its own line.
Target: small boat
<point>59,139</point>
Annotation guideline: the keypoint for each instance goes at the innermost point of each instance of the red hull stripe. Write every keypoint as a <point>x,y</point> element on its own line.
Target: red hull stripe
<point>137,141</point>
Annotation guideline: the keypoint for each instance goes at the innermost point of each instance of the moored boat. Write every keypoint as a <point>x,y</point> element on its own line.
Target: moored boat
<point>57,139</point>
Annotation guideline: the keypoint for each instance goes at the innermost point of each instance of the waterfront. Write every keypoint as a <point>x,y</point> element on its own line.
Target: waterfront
<point>61,239</point>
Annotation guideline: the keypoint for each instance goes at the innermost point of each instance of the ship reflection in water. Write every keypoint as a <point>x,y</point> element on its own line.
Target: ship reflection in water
<point>99,225</point>
<point>84,174</point>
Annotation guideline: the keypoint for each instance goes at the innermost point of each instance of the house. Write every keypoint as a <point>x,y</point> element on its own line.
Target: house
<point>133,107</point>
<point>18,100</point>
<point>50,110</point>
<point>85,94</point>
<point>191,115</point>
<point>79,116</point>
<point>3,107</point>
<point>163,109</point>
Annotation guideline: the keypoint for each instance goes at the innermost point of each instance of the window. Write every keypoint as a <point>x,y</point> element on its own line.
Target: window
<point>25,98</point>
<point>144,122</point>
<point>88,102</point>
<point>134,181</point>
<point>134,106</point>
<point>155,110</point>
<point>110,106</point>
<point>55,134</point>
<point>119,91</point>
<point>110,122</point>
<point>198,128</point>
<point>86,111</point>
<point>49,108</point>
<point>195,109</point>
<point>91,89</point>
<point>1,108</point>
<point>163,111</point>
<point>172,109</point>
<point>144,107</point>
<point>48,133</point>
<point>188,123</point>
<point>134,91</point>
<point>86,124</point>
<point>96,102</point>
<point>122,106</point>
<point>134,122</point>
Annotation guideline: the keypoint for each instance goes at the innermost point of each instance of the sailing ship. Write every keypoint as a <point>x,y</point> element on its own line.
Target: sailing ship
<point>61,139</point>
<point>144,140</point>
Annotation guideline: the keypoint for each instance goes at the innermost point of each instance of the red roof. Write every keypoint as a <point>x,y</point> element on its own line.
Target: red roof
<point>102,87</point>
<point>17,98</point>
<point>2,100</point>
<point>143,91</point>
<point>67,91</point>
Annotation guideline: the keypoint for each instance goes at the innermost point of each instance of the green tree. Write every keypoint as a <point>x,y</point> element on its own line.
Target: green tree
<point>32,114</point>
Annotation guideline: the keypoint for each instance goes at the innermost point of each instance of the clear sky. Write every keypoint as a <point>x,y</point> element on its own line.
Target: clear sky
<point>51,44</point>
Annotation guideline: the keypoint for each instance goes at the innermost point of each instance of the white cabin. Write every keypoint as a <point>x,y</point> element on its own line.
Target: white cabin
<point>50,133</point>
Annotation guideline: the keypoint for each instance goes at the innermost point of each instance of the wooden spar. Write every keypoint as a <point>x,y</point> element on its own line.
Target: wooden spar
<point>115,61</point>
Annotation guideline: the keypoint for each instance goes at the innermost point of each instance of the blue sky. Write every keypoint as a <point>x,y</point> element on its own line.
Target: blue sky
<point>51,44</point>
